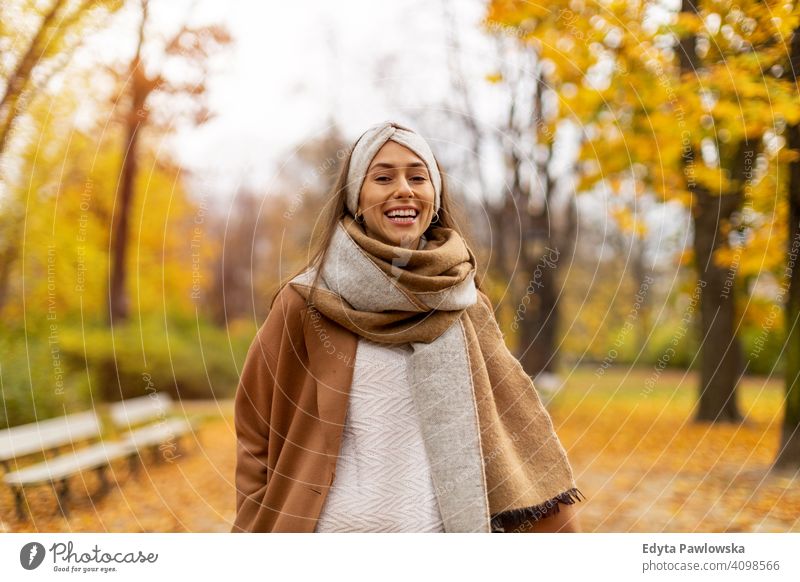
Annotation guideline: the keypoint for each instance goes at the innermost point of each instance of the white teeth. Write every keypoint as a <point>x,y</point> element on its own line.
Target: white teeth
<point>407,212</point>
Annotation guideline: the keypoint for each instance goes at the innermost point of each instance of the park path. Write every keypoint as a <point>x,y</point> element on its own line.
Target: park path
<point>645,467</point>
<point>194,493</point>
<point>641,464</point>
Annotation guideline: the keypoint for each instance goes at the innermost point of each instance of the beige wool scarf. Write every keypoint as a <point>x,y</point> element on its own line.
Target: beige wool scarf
<point>495,458</point>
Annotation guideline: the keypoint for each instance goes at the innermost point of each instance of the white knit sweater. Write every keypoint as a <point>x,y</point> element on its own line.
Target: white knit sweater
<point>383,481</point>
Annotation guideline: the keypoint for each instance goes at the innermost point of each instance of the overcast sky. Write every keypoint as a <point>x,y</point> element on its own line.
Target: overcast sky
<point>297,65</point>
<point>294,66</point>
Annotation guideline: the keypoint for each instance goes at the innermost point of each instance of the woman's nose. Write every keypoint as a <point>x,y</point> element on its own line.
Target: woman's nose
<point>404,188</point>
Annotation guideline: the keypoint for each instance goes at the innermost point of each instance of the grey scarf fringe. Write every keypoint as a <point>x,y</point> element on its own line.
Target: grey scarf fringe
<point>511,519</point>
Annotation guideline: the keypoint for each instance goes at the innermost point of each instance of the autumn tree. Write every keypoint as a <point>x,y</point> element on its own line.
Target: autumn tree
<point>68,201</point>
<point>729,84</point>
<point>36,43</point>
<point>531,221</point>
<point>789,450</point>
<point>678,104</point>
<point>181,99</point>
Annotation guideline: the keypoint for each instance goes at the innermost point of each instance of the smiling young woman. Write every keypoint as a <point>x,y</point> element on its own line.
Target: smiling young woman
<point>379,395</point>
<point>397,197</point>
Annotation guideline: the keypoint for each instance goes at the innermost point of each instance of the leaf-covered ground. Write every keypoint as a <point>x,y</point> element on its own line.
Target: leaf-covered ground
<point>646,467</point>
<point>194,492</point>
<point>641,462</point>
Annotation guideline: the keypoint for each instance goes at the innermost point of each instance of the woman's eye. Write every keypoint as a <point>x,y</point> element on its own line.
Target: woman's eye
<point>420,178</point>
<point>382,178</point>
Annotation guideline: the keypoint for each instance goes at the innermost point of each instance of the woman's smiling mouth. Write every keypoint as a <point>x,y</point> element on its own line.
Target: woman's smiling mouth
<point>402,216</point>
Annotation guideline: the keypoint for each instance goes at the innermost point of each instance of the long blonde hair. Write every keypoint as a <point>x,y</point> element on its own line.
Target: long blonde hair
<point>333,213</point>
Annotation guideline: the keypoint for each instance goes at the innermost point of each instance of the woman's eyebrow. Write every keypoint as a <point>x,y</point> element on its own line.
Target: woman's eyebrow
<point>387,165</point>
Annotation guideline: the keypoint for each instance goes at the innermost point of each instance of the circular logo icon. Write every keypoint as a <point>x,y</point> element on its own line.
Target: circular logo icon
<point>31,555</point>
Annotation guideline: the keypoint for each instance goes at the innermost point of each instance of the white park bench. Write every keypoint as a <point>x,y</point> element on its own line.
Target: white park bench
<point>49,436</point>
<point>148,425</point>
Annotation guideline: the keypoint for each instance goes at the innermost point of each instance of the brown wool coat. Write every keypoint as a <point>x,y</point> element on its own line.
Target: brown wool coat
<point>290,409</point>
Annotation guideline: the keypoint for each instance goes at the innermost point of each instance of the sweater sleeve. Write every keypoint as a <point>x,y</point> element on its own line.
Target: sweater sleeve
<point>252,406</point>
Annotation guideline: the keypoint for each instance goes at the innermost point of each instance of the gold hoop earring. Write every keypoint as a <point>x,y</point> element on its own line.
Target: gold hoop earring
<point>436,219</point>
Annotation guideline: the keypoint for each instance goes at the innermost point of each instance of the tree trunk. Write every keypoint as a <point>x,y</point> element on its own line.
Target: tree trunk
<point>540,256</point>
<point>7,259</point>
<point>539,326</point>
<point>644,280</point>
<point>141,87</point>
<point>720,355</point>
<point>118,306</point>
<point>789,454</point>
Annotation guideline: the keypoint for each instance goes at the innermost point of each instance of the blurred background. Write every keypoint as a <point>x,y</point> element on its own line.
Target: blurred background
<point>628,174</point>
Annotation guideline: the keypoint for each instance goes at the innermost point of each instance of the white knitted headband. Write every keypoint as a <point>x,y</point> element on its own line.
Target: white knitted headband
<point>368,145</point>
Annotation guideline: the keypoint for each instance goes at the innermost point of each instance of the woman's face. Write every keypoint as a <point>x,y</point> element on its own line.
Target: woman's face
<point>397,179</point>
